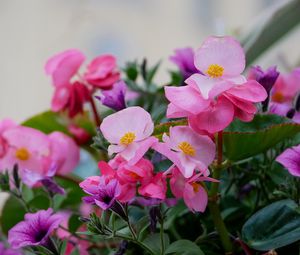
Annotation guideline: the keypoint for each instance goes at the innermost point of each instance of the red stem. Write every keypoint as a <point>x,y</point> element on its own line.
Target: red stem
<point>96,115</point>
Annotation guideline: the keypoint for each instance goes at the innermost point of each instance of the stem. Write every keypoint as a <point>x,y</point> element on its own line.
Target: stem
<point>142,245</point>
<point>162,238</point>
<point>96,115</point>
<point>213,204</point>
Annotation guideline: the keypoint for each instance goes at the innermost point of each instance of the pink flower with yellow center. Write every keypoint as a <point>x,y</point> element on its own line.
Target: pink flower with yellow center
<point>213,97</point>
<point>129,132</point>
<point>190,189</point>
<point>187,150</point>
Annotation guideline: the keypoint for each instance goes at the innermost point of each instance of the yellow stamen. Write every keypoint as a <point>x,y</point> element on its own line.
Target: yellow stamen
<point>128,138</point>
<point>187,148</point>
<point>215,71</point>
<point>196,186</point>
<point>22,154</point>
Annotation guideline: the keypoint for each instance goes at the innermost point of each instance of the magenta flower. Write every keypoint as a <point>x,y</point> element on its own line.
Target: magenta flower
<point>155,187</point>
<point>34,230</point>
<point>290,159</point>
<point>184,59</point>
<point>103,192</point>
<point>190,189</point>
<point>266,78</point>
<point>187,150</point>
<point>102,72</point>
<point>131,139</point>
<point>219,92</point>
<point>115,97</point>
<point>8,251</point>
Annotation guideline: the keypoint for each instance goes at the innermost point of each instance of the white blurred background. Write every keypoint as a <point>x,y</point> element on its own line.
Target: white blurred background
<point>33,30</point>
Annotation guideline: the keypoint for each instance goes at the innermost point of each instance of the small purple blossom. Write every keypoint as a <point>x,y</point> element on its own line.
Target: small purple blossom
<point>290,159</point>
<point>115,97</point>
<point>104,194</point>
<point>34,230</point>
<point>184,59</point>
<point>8,251</point>
<point>31,178</point>
<point>266,78</point>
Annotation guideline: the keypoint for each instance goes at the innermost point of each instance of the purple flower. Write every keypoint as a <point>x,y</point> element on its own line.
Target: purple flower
<point>34,230</point>
<point>266,78</point>
<point>115,97</point>
<point>8,251</point>
<point>31,178</point>
<point>290,159</point>
<point>184,59</point>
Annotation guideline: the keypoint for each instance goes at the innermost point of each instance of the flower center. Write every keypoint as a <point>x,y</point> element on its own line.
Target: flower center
<point>187,149</point>
<point>22,154</point>
<point>278,97</point>
<point>133,175</point>
<point>128,138</point>
<point>215,71</point>
<point>196,186</point>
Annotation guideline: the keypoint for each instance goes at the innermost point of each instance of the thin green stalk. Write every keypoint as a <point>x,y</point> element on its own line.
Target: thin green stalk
<point>213,204</point>
<point>162,238</point>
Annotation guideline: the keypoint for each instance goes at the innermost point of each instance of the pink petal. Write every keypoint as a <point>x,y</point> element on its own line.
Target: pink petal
<point>105,169</point>
<point>60,144</point>
<point>224,51</point>
<point>118,124</point>
<point>251,91</point>
<point>186,98</point>
<point>217,118</point>
<point>195,201</point>
<point>290,159</point>
<point>60,98</point>
<point>176,112</point>
<point>64,65</point>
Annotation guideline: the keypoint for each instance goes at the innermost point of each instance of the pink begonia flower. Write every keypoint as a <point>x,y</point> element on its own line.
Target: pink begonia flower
<point>129,132</point>
<point>63,66</point>
<point>102,72</point>
<point>213,97</point>
<point>156,187</point>
<point>290,159</point>
<point>191,190</point>
<point>59,145</point>
<point>286,87</point>
<point>141,171</point>
<point>27,147</point>
<point>187,150</point>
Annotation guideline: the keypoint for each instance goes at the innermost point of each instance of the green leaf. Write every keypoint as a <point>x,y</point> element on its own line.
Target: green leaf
<point>74,223</point>
<point>12,213</point>
<point>277,26</point>
<point>246,139</point>
<point>153,242</point>
<point>39,202</point>
<point>274,226</point>
<point>184,247</point>
<point>47,122</point>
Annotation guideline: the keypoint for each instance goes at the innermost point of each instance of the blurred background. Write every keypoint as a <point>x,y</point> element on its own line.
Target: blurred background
<point>33,30</point>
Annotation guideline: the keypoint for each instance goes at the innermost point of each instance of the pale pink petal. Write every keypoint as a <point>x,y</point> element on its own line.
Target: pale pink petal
<point>6,124</point>
<point>175,112</point>
<point>217,118</point>
<point>115,149</point>
<point>186,98</point>
<point>132,119</point>
<point>204,84</point>
<point>143,147</point>
<point>243,105</point>
<point>224,51</point>
<point>177,183</point>
<point>64,152</point>
<point>195,200</point>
